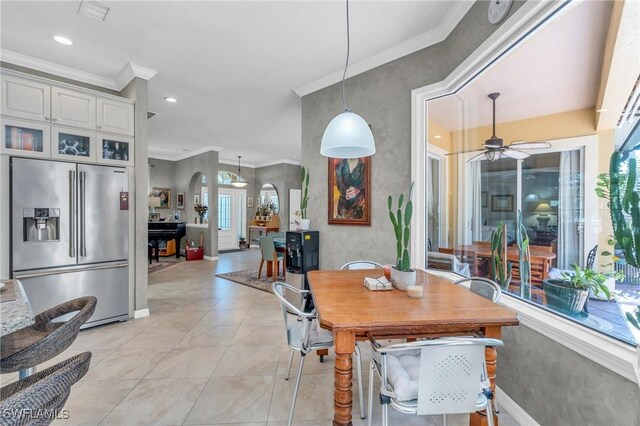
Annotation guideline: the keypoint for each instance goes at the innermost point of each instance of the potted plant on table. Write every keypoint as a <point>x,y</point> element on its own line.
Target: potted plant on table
<point>569,294</point>
<point>402,276</point>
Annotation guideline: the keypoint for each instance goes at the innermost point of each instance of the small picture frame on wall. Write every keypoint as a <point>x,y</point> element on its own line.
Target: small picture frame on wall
<point>164,195</point>
<point>484,195</point>
<point>250,202</point>
<point>502,203</point>
<point>180,201</point>
<point>196,199</point>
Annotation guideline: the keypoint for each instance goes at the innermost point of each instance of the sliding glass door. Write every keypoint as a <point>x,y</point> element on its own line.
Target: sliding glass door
<point>549,190</point>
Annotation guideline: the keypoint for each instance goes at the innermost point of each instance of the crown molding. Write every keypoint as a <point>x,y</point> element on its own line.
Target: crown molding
<point>131,71</point>
<point>173,156</point>
<point>426,39</point>
<point>124,77</point>
<point>276,162</point>
<point>56,69</point>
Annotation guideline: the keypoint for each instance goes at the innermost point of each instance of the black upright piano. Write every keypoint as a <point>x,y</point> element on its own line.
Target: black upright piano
<point>165,231</point>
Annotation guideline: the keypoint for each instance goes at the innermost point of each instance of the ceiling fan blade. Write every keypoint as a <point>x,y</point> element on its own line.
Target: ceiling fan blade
<point>477,157</point>
<point>515,154</point>
<point>465,152</point>
<point>530,145</point>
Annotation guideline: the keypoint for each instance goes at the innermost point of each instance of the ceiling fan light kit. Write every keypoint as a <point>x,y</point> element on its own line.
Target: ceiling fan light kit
<point>348,135</point>
<point>494,148</point>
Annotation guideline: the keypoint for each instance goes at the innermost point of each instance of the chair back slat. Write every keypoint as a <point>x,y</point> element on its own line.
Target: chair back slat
<point>267,247</point>
<point>449,378</point>
<point>362,264</point>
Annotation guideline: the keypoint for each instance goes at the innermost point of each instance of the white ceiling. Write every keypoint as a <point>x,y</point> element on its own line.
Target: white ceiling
<point>556,70</point>
<point>233,66</point>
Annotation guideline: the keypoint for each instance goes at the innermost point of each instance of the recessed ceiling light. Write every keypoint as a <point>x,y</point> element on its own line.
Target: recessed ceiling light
<point>63,40</point>
<point>437,136</point>
<point>170,99</point>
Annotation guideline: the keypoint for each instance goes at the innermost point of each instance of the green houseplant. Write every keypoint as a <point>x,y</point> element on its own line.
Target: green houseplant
<point>619,188</point>
<point>524,258</point>
<point>304,199</point>
<point>569,294</point>
<point>402,275</point>
<point>500,267</point>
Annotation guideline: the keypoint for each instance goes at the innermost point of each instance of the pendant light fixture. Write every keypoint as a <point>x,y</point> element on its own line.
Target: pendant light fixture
<point>238,181</point>
<point>347,135</point>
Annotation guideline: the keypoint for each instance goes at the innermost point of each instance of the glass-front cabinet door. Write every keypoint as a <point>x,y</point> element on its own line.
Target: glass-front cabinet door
<point>73,144</point>
<point>117,150</point>
<point>25,138</point>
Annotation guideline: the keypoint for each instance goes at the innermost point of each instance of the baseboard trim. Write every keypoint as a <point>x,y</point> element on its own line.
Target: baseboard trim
<point>141,313</point>
<point>517,412</point>
<point>211,258</point>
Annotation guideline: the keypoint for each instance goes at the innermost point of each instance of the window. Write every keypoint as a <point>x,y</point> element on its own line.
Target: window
<point>547,194</point>
<point>225,178</point>
<point>224,212</point>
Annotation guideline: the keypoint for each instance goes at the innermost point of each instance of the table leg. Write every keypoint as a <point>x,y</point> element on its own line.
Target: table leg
<point>480,418</point>
<point>344,342</point>
<point>270,268</point>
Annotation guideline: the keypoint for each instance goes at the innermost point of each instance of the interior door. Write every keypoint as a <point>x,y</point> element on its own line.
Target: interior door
<point>231,217</point>
<point>103,219</point>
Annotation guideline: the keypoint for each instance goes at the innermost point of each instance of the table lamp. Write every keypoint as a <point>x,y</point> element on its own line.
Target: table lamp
<point>543,211</point>
<point>153,203</point>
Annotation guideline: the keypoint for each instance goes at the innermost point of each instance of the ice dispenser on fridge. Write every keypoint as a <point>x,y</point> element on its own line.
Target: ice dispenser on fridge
<point>40,224</point>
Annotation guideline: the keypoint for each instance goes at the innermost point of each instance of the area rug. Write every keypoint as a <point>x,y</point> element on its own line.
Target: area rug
<point>250,279</point>
<point>162,265</point>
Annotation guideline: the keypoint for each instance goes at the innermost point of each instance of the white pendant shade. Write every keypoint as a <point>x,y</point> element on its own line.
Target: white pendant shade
<point>239,183</point>
<point>347,136</point>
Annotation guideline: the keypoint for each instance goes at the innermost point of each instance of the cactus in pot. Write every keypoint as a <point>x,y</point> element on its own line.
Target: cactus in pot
<point>402,275</point>
<point>304,200</point>
<point>500,266</point>
<point>524,258</point>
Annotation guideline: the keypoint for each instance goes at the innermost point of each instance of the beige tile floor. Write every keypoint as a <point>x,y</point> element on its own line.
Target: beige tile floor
<point>211,352</point>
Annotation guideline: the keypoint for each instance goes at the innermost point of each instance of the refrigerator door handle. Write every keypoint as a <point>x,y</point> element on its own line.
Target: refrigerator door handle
<point>83,247</point>
<point>44,273</point>
<point>72,213</point>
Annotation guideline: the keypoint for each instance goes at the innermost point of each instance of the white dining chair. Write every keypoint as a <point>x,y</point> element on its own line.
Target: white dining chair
<point>483,287</point>
<point>304,335</point>
<point>362,264</point>
<point>447,375</point>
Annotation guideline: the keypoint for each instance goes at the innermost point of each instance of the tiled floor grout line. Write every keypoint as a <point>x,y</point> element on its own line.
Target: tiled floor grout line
<point>119,402</point>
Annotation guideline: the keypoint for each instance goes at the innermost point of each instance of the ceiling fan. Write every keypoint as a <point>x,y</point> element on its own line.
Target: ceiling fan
<point>494,149</point>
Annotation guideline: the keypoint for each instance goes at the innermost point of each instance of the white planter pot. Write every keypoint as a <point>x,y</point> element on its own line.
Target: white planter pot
<point>401,280</point>
<point>304,223</point>
<point>611,285</point>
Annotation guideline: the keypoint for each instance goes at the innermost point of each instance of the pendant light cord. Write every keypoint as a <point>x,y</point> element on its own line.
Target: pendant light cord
<point>346,64</point>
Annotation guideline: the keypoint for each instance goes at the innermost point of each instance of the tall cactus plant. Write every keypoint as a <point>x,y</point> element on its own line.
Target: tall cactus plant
<point>305,193</point>
<point>401,222</point>
<point>524,258</point>
<point>624,204</point>
<point>500,267</point>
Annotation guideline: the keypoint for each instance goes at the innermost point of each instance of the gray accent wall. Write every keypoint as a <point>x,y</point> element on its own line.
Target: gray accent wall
<point>382,96</point>
<point>557,386</point>
<point>283,177</point>
<point>207,164</point>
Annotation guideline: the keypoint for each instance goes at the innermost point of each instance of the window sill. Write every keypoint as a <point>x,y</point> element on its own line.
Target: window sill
<point>621,358</point>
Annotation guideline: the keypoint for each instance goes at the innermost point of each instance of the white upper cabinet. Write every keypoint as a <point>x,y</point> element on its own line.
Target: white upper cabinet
<point>23,98</point>
<point>115,116</point>
<point>72,108</point>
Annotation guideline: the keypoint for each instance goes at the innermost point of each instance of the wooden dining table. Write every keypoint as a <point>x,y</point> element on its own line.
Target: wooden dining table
<point>352,312</point>
<point>538,255</point>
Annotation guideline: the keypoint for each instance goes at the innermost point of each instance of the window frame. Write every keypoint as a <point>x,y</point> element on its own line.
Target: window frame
<point>620,358</point>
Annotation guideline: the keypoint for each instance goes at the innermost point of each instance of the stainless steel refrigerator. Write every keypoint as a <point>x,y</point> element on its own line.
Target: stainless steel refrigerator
<point>70,234</point>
